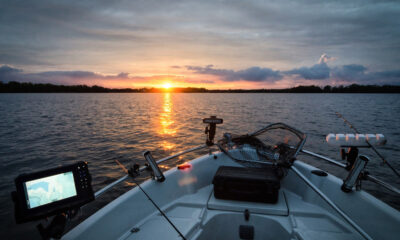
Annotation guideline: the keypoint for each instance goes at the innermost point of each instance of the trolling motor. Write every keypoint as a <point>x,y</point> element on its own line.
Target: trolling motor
<point>211,128</point>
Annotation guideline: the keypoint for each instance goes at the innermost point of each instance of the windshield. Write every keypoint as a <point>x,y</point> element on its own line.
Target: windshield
<point>276,144</point>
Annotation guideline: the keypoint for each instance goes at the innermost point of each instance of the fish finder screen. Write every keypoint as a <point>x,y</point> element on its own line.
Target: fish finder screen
<point>50,189</point>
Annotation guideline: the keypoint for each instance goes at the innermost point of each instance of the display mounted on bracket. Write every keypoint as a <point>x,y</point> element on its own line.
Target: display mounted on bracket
<point>46,193</point>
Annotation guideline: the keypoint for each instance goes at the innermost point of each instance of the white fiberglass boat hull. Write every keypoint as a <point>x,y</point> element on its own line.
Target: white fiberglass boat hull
<point>186,197</point>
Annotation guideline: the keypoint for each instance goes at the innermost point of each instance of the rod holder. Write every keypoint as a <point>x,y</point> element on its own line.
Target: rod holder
<point>354,174</point>
<point>158,175</point>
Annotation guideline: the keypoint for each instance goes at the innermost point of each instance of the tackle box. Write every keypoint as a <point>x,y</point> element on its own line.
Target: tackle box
<point>247,184</point>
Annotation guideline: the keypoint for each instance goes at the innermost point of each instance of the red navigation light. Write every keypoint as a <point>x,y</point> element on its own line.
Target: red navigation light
<point>185,166</point>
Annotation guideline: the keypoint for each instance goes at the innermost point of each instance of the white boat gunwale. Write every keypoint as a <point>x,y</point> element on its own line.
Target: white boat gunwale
<point>81,231</point>
<point>320,193</point>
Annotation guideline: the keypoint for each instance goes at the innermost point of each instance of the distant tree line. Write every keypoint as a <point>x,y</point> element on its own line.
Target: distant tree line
<point>17,87</point>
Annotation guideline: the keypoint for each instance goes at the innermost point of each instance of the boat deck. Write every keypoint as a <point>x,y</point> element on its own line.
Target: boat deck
<point>187,198</point>
<point>194,214</point>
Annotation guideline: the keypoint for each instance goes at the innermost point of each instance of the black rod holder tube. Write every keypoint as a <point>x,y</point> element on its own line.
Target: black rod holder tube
<point>158,175</point>
<point>354,173</point>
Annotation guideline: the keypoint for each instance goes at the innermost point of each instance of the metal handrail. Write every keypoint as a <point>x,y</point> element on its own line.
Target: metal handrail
<point>367,177</point>
<point>324,158</point>
<point>382,183</point>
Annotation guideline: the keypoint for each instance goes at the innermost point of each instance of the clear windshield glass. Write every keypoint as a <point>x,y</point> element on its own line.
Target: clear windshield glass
<point>275,144</point>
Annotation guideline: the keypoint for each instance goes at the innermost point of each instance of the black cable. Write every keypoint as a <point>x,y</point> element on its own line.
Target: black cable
<point>162,213</point>
<point>369,144</point>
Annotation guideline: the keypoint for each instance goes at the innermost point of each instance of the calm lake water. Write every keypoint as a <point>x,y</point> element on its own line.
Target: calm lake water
<point>39,131</point>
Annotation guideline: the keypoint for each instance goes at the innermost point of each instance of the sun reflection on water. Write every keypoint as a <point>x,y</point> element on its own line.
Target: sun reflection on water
<point>167,122</point>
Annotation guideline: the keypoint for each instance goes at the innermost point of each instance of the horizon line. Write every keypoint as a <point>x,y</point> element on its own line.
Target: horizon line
<point>28,87</point>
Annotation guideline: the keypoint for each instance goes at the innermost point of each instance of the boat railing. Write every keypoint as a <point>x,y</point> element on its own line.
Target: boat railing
<point>307,152</point>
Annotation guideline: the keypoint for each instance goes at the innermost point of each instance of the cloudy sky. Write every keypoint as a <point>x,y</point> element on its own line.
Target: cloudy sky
<point>213,44</point>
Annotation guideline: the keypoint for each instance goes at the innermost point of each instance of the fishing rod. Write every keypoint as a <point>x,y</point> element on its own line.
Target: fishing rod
<point>151,200</point>
<point>368,143</point>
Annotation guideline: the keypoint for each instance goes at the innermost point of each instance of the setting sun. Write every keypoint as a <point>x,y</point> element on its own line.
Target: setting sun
<point>167,85</point>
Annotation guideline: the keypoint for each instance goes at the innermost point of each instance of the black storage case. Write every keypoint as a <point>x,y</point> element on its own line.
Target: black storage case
<point>247,184</point>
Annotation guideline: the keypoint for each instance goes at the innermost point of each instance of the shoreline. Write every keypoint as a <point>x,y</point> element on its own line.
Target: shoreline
<point>18,87</point>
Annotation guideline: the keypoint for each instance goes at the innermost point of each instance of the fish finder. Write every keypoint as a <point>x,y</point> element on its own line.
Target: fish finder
<point>52,191</point>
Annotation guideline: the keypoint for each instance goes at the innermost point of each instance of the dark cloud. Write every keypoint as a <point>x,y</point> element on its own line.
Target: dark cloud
<point>65,31</point>
<point>8,74</point>
<point>349,72</point>
<point>253,74</point>
<point>257,74</point>
<point>360,74</point>
<point>4,70</point>
<point>352,73</point>
<point>317,72</point>
<point>394,74</point>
